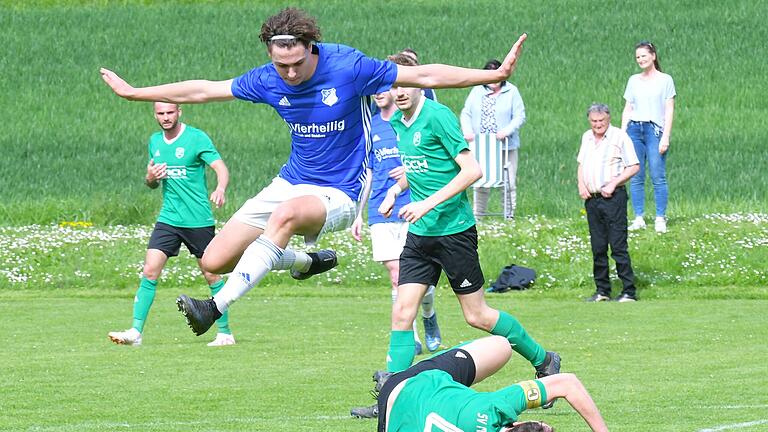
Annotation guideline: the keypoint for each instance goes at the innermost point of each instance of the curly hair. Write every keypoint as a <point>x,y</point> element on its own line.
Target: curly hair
<point>290,22</point>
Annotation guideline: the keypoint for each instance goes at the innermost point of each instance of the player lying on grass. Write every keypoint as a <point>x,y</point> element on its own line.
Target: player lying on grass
<point>435,394</point>
<point>322,92</point>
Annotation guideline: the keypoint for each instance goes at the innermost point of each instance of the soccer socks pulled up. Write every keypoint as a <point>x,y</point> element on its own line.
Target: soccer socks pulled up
<point>401,350</point>
<point>293,260</point>
<point>428,303</point>
<point>509,327</point>
<point>145,295</point>
<point>222,323</point>
<point>260,257</point>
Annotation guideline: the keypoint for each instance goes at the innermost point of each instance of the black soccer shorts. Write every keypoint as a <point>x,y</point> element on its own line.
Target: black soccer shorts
<point>168,239</point>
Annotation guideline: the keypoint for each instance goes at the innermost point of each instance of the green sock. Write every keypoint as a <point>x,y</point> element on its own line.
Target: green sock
<point>145,295</point>
<point>509,327</point>
<point>402,349</point>
<point>223,322</point>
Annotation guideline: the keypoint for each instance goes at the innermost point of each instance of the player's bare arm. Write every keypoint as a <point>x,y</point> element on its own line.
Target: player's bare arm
<point>193,91</point>
<point>446,76</point>
<point>469,173</point>
<point>222,181</point>
<point>568,386</point>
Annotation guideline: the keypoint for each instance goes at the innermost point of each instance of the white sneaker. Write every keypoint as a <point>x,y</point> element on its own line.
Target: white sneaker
<point>222,339</point>
<point>661,224</point>
<point>637,224</point>
<point>128,337</point>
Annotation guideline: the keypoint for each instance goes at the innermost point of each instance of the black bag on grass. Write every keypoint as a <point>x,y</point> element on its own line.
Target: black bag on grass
<point>513,277</point>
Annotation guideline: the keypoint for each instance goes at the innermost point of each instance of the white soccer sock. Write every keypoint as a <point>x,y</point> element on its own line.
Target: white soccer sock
<point>293,260</point>
<point>260,257</point>
<point>428,303</point>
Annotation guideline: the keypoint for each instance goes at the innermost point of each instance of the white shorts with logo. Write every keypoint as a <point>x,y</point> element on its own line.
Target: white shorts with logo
<point>340,210</point>
<point>388,239</point>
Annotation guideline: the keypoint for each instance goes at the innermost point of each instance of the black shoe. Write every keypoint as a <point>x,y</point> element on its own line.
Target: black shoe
<point>551,366</point>
<point>200,314</point>
<point>597,297</point>
<point>365,412</point>
<point>623,298</point>
<point>322,261</point>
<point>380,377</point>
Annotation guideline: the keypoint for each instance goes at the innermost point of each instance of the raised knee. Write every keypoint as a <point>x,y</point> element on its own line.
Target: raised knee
<point>284,216</point>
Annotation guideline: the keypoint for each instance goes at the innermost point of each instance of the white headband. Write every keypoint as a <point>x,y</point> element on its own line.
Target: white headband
<point>282,37</point>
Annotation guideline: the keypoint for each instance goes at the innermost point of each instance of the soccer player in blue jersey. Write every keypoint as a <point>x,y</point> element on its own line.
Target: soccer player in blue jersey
<point>321,91</point>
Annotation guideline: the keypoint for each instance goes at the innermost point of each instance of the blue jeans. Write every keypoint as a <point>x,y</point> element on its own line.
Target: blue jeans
<point>646,136</point>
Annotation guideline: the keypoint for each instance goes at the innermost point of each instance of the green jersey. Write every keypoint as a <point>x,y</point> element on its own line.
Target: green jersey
<point>185,193</point>
<point>432,401</point>
<point>429,143</point>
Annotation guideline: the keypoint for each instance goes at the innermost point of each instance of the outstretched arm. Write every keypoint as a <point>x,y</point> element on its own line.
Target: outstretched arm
<point>446,76</point>
<point>566,385</point>
<point>195,91</point>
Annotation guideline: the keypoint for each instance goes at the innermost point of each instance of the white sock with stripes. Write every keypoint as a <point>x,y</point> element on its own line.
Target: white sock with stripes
<point>260,257</point>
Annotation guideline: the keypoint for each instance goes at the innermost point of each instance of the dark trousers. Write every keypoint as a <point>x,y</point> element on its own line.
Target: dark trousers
<point>607,218</point>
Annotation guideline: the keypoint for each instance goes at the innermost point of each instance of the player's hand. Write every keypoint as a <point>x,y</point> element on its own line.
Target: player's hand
<point>397,172</point>
<point>414,211</point>
<point>387,205</point>
<point>156,172</point>
<point>357,228</point>
<point>607,190</point>
<point>501,136</point>
<point>217,197</point>
<point>117,84</point>
<point>469,137</point>
<point>510,61</point>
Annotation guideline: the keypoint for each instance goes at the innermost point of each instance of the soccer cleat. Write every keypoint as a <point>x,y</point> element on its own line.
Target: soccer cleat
<point>432,333</point>
<point>624,298</point>
<point>200,314</point>
<point>551,366</point>
<point>380,377</point>
<point>660,224</point>
<point>322,261</point>
<point>597,297</point>
<point>637,224</point>
<point>365,412</point>
<point>128,337</point>
<point>222,339</point>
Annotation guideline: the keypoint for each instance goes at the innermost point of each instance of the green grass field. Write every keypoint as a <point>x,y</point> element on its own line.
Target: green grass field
<point>690,356</point>
<point>305,355</point>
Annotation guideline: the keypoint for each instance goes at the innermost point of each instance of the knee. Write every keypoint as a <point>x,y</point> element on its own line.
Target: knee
<point>402,315</point>
<point>213,265</point>
<point>284,216</point>
<point>151,272</point>
<point>480,319</point>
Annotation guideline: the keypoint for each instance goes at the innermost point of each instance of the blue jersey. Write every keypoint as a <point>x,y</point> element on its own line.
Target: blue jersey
<point>328,115</point>
<point>384,157</point>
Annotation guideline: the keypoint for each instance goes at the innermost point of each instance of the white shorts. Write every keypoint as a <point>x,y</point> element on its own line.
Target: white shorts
<point>340,210</point>
<point>388,239</point>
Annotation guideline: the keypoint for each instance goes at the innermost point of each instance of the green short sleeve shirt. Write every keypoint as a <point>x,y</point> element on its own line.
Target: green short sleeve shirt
<point>429,143</point>
<point>432,401</point>
<point>185,193</point>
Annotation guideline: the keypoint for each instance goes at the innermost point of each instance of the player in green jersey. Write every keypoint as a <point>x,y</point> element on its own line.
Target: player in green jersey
<point>435,394</point>
<point>442,235</point>
<point>177,158</point>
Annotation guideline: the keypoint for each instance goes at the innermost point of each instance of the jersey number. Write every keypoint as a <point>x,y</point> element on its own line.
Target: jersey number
<point>435,421</point>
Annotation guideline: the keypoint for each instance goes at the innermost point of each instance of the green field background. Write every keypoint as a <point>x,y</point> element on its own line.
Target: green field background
<point>74,151</point>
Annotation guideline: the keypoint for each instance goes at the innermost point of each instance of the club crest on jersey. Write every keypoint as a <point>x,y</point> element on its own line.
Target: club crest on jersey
<point>179,152</point>
<point>416,139</point>
<point>157,153</point>
<point>329,96</point>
